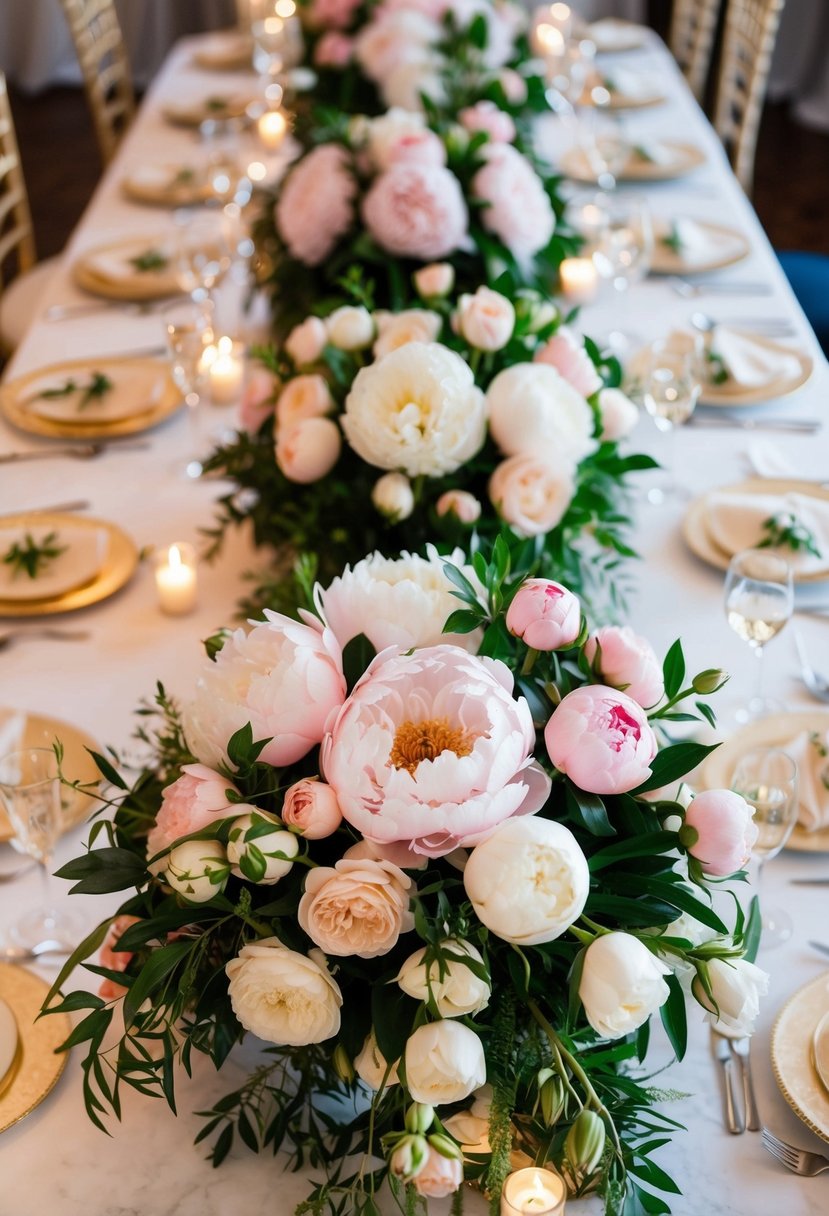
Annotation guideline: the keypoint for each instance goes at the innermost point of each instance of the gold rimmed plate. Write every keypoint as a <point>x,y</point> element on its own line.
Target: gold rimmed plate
<point>20,730</point>
<point>164,399</point>
<point>792,1057</point>
<point>167,185</point>
<point>777,731</point>
<point>120,558</point>
<point>603,92</point>
<point>699,540</point>
<point>684,159</point>
<point>38,1066</point>
<point>731,394</point>
<point>9,1045</point>
<point>226,51</point>
<point>733,247</point>
<point>217,107</point>
<point>109,270</point>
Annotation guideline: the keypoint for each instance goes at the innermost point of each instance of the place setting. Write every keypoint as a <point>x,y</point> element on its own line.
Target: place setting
<point>604,155</point>
<point>686,246</point>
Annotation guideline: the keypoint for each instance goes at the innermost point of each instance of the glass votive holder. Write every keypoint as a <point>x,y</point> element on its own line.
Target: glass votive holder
<point>579,280</point>
<point>176,578</point>
<point>223,365</point>
<point>534,1191</point>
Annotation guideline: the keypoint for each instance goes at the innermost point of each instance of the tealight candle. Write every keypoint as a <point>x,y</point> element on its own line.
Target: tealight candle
<point>272,127</point>
<point>548,41</point>
<point>176,578</point>
<point>579,280</point>
<point>225,373</point>
<point>533,1192</point>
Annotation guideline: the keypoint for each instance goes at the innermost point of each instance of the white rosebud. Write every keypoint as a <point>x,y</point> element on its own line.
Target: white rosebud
<point>259,855</point>
<point>618,413</point>
<point>455,989</point>
<point>444,1063</point>
<point>306,341</point>
<point>197,869</point>
<point>372,1066</point>
<point>621,984</point>
<point>308,450</point>
<point>393,497</point>
<point>350,327</point>
<point>737,986</point>
<point>282,996</point>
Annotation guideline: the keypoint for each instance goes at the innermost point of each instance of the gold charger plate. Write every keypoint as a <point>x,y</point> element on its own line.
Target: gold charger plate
<point>666,260</point>
<point>696,535</point>
<point>117,569</point>
<point>687,158</point>
<point>613,35</point>
<point>13,398</point>
<point>720,394</point>
<point>148,285</point>
<point>791,1055</point>
<point>38,1067</point>
<point>776,731</point>
<point>189,193</point>
<point>38,730</point>
<point>194,113</point>
<point>229,51</point>
<point>618,99</point>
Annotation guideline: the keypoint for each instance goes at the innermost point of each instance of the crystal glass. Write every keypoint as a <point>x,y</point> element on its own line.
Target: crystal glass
<point>30,793</point>
<point>759,600</point>
<point>625,250</point>
<point>671,383</point>
<point>767,778</point>
<point>202,255</point>
<point>587,213</point>
<point>189,330</point>
<point>603,144</point>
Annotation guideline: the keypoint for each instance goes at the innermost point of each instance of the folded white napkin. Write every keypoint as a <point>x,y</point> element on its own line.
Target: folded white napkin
<point>766,460</point>
<point>751,362</point>
<point>698,243</point>
<point>810,752</point>
<point>611,34</point>
<point>735,522</point>
<point>654,152</point>
<point>116,266</point>
<point>626,83</point>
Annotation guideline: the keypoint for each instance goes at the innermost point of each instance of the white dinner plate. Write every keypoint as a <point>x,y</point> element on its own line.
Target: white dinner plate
<point>110,270</point>
<point>217,106</point>
<point>728,246</point>
<point>791,1055</point>
<point>820,1050</point>
<point>135,390</point>
<point>226,51</point>
<point>83,556</point>
<point>9,1040</point>
<point>167,185</point>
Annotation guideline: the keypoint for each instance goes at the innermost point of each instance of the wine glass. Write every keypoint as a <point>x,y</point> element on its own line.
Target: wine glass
<point>759,599</point>
<point>625,249</point>
<point>603,145</point>
<point>30,793</point>
<point>189,330</point>
<point>767,778</point>
<point>202,256</point>
<point>672,376</point>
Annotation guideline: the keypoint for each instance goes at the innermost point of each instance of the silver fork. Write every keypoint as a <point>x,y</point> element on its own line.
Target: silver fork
<point>690,291</point>
<point>798,1160</point>
<point>742,1050</point>
<point>78,451</point>
<point>54,635</point>
<point>769,327</point>
<point>817,684</point>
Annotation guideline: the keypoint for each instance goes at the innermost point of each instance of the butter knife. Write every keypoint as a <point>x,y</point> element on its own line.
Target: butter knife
<point>734,1117</point>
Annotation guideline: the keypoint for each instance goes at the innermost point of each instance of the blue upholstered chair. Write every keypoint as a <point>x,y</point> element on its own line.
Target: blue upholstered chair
<point>808,274</point>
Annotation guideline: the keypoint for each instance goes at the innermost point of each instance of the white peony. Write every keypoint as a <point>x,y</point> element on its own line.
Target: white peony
<point>444,1063</point>
<point>197,869</point>
<point>533,409</point>
<point>402,602</point>
<point>372,1066</point>
<point>621,984</point>
<point>282,996</point>
<point>455,989</point>
<point>417,410</point>
<point>737,986</point>
<point>529,881</point>
<point>619,414</point>
<point>394,41</point>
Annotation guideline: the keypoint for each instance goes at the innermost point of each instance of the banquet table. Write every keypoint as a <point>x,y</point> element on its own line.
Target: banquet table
<point>55,1161</point>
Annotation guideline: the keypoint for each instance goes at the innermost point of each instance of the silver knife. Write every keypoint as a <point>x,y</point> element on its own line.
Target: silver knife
<point>58,508</point>
<point>819,946</point>
<point>741,1048</point>
<point>734,1117</point>
<point>803,426</point>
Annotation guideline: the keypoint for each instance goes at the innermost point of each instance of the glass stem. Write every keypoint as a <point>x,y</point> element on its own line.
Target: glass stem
<point>758,684</point>
<point>192,402</point>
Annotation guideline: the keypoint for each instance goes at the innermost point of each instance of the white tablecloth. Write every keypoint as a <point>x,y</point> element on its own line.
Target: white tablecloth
<point>55,1162</point>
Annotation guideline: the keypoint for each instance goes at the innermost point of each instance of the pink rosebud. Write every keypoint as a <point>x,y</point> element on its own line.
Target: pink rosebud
<point>439,1177</point>
<point>309,450</point>
<point>544,614</point>
<point>601,739</point>
<point>115,960</point>
<point>486,320</point>
<point>311,808</point>
<point>565,352</point>
<point>460,503</point>
<point>514,86</point>
<point>334,50</point>
<point>417,148</point>
<point>485,116</point>
<point>301,398</point>
<point>619,414</point>
<point>306,341</point>
<point>627,662</point>
<point>435,281</point>
<point>725,831</point>
<point>257,400</point>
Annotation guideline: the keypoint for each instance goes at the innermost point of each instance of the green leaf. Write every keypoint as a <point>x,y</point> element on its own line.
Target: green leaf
<point>88,946</point>
<point>588,811</point>
<point>674,762</point>
<point>392,1015</point>
<point>106,769</point>
<point>152,975</point>
<point>102,871</point>
<point>638,846</point>
<point>674,1017</point>
<point>753,930</point>
<point>673,669</point>
<point>462,621</point>
<point>357,655</point>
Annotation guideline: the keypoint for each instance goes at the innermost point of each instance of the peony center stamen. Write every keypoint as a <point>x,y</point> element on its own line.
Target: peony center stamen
<point>416,741</point>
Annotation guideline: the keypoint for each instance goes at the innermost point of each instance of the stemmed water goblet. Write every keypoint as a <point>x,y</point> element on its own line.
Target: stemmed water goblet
<point>189,331</point>
<point>625,248</point>
<point>671,383</point>
<point>759,600</point>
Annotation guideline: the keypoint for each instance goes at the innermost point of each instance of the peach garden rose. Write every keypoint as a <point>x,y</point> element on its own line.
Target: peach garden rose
<point>356,907</point>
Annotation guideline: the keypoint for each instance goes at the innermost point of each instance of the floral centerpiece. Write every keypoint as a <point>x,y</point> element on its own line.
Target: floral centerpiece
<point>444,422</point>
<point>445,884</point>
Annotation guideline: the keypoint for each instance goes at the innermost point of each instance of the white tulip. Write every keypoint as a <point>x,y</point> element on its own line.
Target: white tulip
<point>528,882</point>
<point>197,869</point>
<point>275,847</point>
<point>444,1063</point>
<point>454,988</point>
<point>737,986</point>
<point>350,327</point>
<point>282,996</point>
<point>372,1067</point>
<point>621,984</point>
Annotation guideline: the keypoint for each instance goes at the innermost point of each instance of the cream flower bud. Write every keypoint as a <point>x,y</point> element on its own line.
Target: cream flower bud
<point>434,281</point>
<point>736,986</point>
<point>372,1066</point>
<point>350,327</point>
<point>393,497</point>
<point>453,987</point>
<point>486,319</point>
<point>306,341</point>
<point>309,450</point>
<point>584,1145</point>
<point>409,1156</point>
<point>258,854</point>
<point>197,869</point>
<point>460,503</point>
<point>621,984</point>
<point>444,1063</point>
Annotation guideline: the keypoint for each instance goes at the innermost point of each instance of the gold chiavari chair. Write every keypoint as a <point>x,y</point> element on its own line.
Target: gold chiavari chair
<point>750,33</point>
<point>99,45</point>
<point>693,26</point>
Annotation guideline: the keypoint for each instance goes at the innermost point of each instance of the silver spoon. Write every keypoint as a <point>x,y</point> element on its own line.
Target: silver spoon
<point>24,954</point>
<point>54,635</point>
<point>817,684</point>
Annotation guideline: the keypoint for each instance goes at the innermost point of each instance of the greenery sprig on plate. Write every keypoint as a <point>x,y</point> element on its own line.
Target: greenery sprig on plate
<point>150,259</point>
<point>785,531</point>
<point>97,388</point>
<point>31,557</point>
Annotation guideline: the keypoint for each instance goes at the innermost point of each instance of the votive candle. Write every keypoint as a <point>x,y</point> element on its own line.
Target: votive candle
<point>176,578</point>
<point>272,127</point>
<point>533,1192</point>
<point>579,280</point>
<point>226,373</point>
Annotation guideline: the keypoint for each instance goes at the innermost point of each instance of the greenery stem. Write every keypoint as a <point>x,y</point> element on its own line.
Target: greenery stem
<point>529,661</point>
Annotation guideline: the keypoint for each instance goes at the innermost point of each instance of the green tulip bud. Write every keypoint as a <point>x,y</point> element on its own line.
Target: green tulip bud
<point>709,681</point>
<point>446,1146</point>
<point>342,1064</point>
<point>408,1157</point>
<point>419,1118</point>
<point>552,1094</point>
<point>585,1143</point>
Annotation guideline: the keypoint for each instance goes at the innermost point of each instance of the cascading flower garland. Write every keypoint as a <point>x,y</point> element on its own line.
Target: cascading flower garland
<point>446,883</point>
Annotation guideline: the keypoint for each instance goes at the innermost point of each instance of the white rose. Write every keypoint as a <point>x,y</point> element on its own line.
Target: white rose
<point>258,855</point>
<point>393,497</point>
<point>306,341</point>
<point>396,329</point>
<point>532,408</point>
<point>350,327</point>
<point>621,984</point>
<point>532,493</point>
<point>417,410</point>
<point>444,1063</point>
<point>529,881</point>
<point>486,320</point>
<point>736,986</point>
<point>434,281</point>
<point>386,132</point>
<point>282,996</point>
<point>454,988</point>
<point>394,39</point>
<point>619,414</point>
<point>371,1065</point>
<point>197,869</point>
<point>421,76</point>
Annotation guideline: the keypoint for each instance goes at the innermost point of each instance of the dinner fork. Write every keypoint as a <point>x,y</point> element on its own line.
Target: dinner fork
<point>769,327</point>
<point>798,1160</point>
<point>690,291</point>
<point>78,451</point>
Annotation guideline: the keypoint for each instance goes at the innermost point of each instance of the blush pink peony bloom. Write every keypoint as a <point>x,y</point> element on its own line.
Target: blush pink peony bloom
<point>601,739</point>
<point>565,352</point>
<point>306,341</point>
<point>331,14</point>
<point>517,209</point>
<point>308,450</point>
<point>334,50</point>
<point>301,398</point>
<point>431,749</point>
<point>115,960</point>
<point>485,116</point>
<point>397,852</point>
<point>544,614</point>
<point>316,204</point>
<point>197,799</point>
<point>725,831</point>
<point>627,662</point>
<point>532,493</point>
<point>418,148</point>
<point>257,402</point>
<point>416,211</point>
<point>439,1177</point>
<point>311,808</point>
<point>356,907</point>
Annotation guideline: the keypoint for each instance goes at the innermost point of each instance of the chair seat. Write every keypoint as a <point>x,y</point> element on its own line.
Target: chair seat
<point>808,274</point>
<point>19,302</point>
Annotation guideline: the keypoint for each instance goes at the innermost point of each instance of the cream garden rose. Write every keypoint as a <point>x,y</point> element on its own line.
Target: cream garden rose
<point>532,493</point>
<point>486,319</point>
<point>455,988</point>
<point>396,329</point>
<point>356,907</point>
<point>282,996</point>
<point>306,396</point>
<point>444,1063</point>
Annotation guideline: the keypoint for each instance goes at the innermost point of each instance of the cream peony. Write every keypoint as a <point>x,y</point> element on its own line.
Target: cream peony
<point>372,1066</point>
<point>486,319</point>
<point>283,678</point>
<point>444,1063</point>
<point>315,206</point>
<point>621,984</point>
<point>532,408</point>
<point>737,986</point>
<point>619,414</point>
<point>517,209</point>
<point>396,329</point>
<point>402,602</point>
<point>386,134</point>
<point>431,748</point>
<point>417,410</point>
<point>282,996</point>
<point>532,493</point>
<point>393,496</point>
<point>395,40</point>
<point>416,211</point>
<point>455,989</point>
<point>308,450</point>
<point>529,881</point>
<point>356,907</point>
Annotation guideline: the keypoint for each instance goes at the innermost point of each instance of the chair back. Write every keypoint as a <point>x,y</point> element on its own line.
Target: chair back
<point>750,33</point>
<point>693,26</point>
<point>16,233</point>
<point>107,82</point>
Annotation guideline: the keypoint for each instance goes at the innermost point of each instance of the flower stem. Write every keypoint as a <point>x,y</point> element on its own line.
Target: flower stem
<point>529,661</point>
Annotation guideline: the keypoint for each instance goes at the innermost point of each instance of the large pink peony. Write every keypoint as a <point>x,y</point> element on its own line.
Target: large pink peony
<point>431,748</point>
<point>283,678</point>
<point>627,661</point>
<point>331,14</point>
<point>565,352</point>
<point>416,211</point>
<point>517,209</point>
<point>601,739</point>
<point>195,800</point>
<point>315,206</point>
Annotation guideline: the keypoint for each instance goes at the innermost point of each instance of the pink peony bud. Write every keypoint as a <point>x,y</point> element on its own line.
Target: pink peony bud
<point>306,341</point>
<point>257,402</point>
<point>434,281</point>
<point>601,739</point>
<point>627,662</point>
<point>311,808</point>
<point>544,614</point>
<point>461,504</point>
<point>485,116</point>
<point>309,450</point>
<point>486,320</point>
<point>725,831</point>
<point>514,86</point>
<point>619,414</point>
<point>334,50</point>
